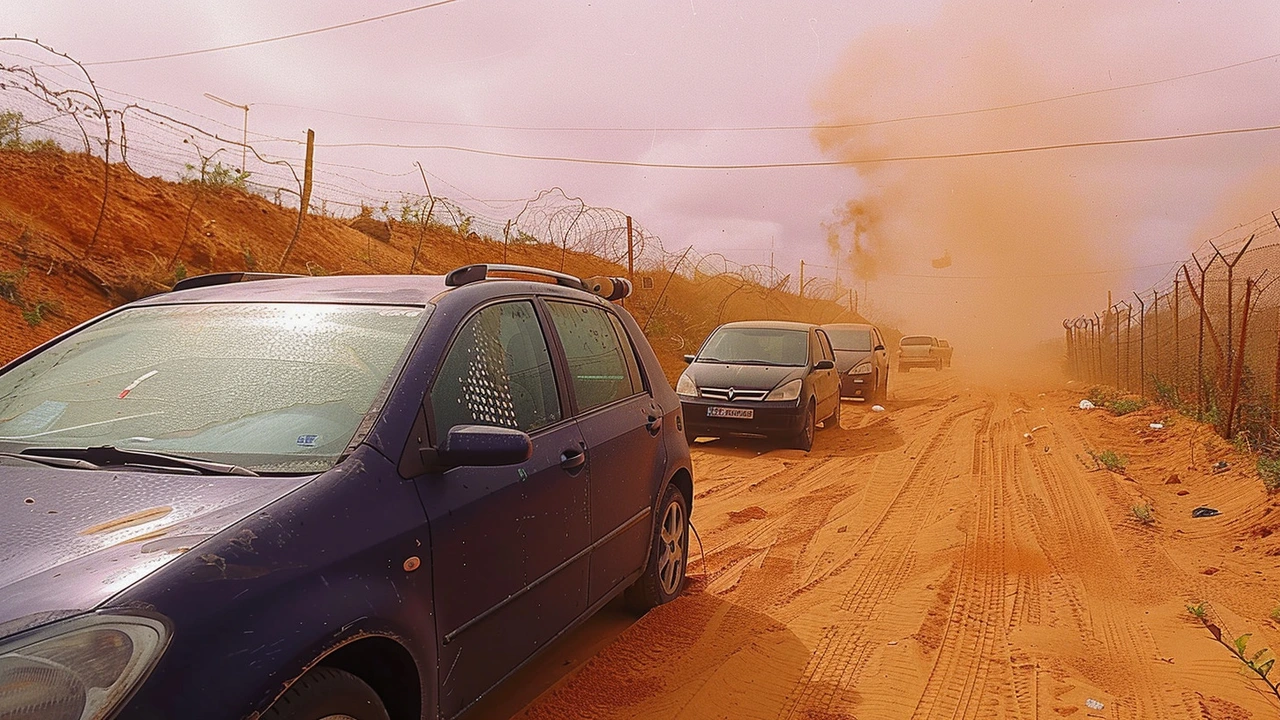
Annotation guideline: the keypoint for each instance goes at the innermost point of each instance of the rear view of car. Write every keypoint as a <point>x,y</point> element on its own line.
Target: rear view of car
<point>769,379</point>
<point>919,351</point>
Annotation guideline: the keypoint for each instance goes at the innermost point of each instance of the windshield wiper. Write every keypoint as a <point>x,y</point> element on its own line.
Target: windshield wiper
<point>53,461</point>
<point>96,457</point>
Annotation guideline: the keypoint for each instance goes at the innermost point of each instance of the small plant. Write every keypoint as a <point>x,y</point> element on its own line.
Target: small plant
<point>34,313</point>
<point>315,269</point>
<point>11,124</point>
<point>11,284</point>
<point>217,176</point>
<point>250,260</point>
<point>1110,460</point>
<point>1260,662</point>
<point>1275,613</point>
<point>1269,471</point>
<point>1124,406</point>
<point>1144,514</point>
<point>179,272</point>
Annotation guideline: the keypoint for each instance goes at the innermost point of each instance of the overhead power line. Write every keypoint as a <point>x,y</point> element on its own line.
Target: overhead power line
<point>811,127</point>
<point>939,276</point>
<point>807,163</point>
<point>277,38</point>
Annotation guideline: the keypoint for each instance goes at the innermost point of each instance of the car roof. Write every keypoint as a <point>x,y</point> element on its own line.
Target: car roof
<point>855,326</point>
<point>346,289</point>
<point>770,325</point>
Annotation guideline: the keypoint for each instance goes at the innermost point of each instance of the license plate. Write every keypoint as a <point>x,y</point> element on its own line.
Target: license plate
<point>729,412</point>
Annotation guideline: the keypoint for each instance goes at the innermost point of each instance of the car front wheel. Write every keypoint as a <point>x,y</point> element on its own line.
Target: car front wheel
<point>804,440</point>
<point>663,576</point>
<point>327,692</point>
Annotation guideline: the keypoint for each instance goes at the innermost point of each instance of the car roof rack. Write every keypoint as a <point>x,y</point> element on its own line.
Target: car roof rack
<point>225,278</point>
<point>468,274</point>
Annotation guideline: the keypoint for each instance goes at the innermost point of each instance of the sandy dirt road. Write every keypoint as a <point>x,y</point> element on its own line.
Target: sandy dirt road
<point>959,556</point>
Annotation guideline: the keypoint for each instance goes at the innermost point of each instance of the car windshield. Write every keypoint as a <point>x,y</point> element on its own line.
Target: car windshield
<point>917,340</point>
<point>757,346</point>
<point>274,387</point>
<point>851,339</point>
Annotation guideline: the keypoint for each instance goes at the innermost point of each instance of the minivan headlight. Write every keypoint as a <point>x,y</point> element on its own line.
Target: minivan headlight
<point>786,391</point>
<point>80,669</point>
<point>861,368</point>
<point>686,386</point>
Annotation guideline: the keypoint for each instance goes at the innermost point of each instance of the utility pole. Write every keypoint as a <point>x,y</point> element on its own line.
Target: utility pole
<point>244,145</point>
<point>631,254</point>
<point>802,279</point>
<point>304,199</point>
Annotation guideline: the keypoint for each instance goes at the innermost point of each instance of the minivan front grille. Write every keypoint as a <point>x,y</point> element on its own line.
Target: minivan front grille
<point>733,394</point>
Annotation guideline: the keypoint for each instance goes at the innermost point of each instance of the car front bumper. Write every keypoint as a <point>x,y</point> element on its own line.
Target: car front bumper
<point>770,418</point>
<point>858,386</point>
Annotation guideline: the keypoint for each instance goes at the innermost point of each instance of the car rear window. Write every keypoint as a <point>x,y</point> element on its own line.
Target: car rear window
<point>850,339</point>
<point>756,346</point>
<point>275,387</point>
<point>917,340</point>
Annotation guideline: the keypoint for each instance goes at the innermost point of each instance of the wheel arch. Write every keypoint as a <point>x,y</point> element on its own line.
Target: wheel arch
<point>386,666</point>
<point>682,479</point>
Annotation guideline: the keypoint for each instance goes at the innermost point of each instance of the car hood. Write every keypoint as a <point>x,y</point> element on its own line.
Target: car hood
<point>847,359</point>
<point>72,539</point>
<point>746,377</point>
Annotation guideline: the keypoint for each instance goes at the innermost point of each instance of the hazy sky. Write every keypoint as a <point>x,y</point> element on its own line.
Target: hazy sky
<point>691,64</point>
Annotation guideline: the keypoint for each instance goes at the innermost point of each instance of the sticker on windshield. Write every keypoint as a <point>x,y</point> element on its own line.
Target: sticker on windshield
<point>307,441</point>
<point>37,419</point>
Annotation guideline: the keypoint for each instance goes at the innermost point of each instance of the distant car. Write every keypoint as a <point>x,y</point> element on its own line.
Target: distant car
<point>293,498</point>
<point>861,360</point>
<point>771,379</point>
<point>946,350</point>
<point>919,351</point>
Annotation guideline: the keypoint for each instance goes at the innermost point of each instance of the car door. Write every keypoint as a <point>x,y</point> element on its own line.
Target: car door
<point>879,354</point>
<point>827,380</point>
<point>506,542</point>
<point>622,425</point>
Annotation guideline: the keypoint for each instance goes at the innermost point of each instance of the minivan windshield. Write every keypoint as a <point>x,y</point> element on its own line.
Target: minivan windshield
<point>850,339</point>
<point>756,346</point>
<point>273,387</point>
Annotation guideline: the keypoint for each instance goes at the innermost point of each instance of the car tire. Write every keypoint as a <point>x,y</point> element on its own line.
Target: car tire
<point>833,422</point>
<point>664,574</point>
<point>804,439</point>
<point>328,692</point>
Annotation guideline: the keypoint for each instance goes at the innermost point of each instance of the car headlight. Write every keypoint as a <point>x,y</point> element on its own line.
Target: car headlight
<point>861,369</point>
<point>686,386</point>
<point>80,669</point>
<point>786,391</point>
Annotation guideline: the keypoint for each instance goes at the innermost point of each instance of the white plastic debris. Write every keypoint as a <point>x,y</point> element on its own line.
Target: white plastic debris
<point>1093,704</point>
<point>877,408</point>
<point>1038,428</point>
<point>1086,405</point>
<point>1156,426</point>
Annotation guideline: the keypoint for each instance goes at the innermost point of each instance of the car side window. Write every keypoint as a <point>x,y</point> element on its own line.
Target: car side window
<point>598,368</point>
<point>498,372</point>
<point>629,354</point>
<point>825,342</point>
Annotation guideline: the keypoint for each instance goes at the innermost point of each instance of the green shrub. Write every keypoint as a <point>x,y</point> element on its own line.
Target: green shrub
<point>1269,471</point>
<point>1110,460</point>
<point>1143,514</point>
<point>1124,406</point>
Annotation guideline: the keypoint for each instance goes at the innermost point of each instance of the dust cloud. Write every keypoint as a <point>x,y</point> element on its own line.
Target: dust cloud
<point>1032,237</point>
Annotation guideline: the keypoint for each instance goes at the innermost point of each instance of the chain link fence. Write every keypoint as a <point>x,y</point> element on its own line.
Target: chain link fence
<point>1205,340</point>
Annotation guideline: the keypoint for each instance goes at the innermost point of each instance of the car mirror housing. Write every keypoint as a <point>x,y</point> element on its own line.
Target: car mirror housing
<point>484,446</point>
<point>689,358</point>
<point>878,348</point>
<point>823,365</point>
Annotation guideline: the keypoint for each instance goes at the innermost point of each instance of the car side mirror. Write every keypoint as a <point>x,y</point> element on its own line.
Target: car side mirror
<point>823,365</point>
<point>484,446</point>
<point>878,348</point>
<point>689,358</point>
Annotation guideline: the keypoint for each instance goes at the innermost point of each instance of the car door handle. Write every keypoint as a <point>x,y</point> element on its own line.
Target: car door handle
<point>654,425</point>
<point>572,459</point>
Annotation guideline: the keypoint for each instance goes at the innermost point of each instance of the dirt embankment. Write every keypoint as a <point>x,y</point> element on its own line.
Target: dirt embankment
<point>54,274</point>
<point>959,556</point>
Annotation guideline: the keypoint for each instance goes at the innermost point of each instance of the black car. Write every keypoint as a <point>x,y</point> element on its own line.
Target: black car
<point>771,379</point>
<point>861,359</point>
<point>357,497</point>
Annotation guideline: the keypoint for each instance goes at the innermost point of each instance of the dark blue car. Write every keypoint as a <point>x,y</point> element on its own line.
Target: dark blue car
<point>364,497</point>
